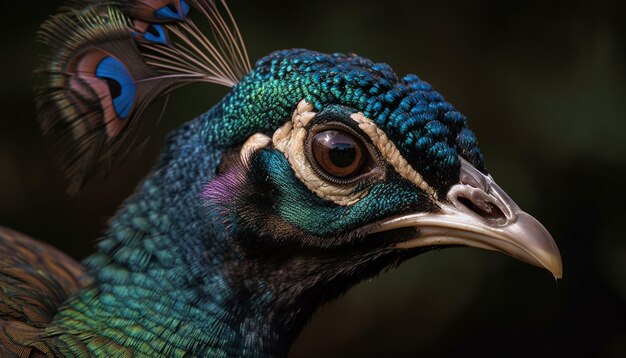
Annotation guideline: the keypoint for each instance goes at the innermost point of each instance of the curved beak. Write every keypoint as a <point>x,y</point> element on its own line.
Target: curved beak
<point>478,213</point>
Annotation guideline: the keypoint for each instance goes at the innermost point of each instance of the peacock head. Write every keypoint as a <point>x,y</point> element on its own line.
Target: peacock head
<point>334,162</point>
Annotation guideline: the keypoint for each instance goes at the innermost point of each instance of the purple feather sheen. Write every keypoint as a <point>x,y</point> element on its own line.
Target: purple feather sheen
<point>241,195</point>
<point>225,187</point>
<point>230,190</point>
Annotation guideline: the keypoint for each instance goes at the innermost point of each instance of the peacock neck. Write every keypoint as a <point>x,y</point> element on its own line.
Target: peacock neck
<point>159,277</point>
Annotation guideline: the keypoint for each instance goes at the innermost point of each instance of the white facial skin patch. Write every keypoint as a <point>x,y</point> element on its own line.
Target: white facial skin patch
<point>290,140</point>
<point>254,143</point>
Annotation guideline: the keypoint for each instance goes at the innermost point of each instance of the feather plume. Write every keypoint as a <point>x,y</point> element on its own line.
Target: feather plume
<point>221,55</point>
<point>110,62</point>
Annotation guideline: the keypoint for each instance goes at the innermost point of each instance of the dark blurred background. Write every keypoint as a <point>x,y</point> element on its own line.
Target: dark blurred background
<point>544,86</point>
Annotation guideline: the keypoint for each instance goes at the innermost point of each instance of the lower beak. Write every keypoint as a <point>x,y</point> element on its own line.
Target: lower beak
<point>478,213</point>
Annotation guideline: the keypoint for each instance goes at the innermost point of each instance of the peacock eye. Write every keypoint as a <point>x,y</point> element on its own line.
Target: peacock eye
<point>339,154</point>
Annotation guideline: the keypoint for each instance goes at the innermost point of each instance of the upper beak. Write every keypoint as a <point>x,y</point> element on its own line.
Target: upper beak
<point>480,214</point>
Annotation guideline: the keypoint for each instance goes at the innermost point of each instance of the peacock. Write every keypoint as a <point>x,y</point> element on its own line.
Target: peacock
<point>316,171</point>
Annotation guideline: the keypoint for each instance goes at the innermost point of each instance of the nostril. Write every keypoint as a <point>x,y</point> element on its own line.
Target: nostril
<point>484,209</point>
<point>468,179</point>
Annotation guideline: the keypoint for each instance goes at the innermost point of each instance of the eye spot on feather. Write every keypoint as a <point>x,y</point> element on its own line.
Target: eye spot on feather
<point>150,32</point>
<point>122,87</point>
<point>173,12</point>
<point>99,80</point>
<point>156,33</point>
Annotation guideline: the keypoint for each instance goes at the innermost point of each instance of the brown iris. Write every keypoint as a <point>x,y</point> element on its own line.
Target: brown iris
<point>339,154</point>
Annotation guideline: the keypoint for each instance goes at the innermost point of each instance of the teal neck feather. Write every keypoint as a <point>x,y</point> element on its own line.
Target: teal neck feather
<point>159,275</point>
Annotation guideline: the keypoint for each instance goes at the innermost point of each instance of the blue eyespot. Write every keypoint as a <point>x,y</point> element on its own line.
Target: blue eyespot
<point>170,11</point>
<point>155,33</point>
<point>185,7</point>
<point>121,85</point>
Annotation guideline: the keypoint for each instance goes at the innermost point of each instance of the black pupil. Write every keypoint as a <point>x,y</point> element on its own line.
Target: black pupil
<point>114,87</point>
<point>338,153</point>
<point>342,154</point>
